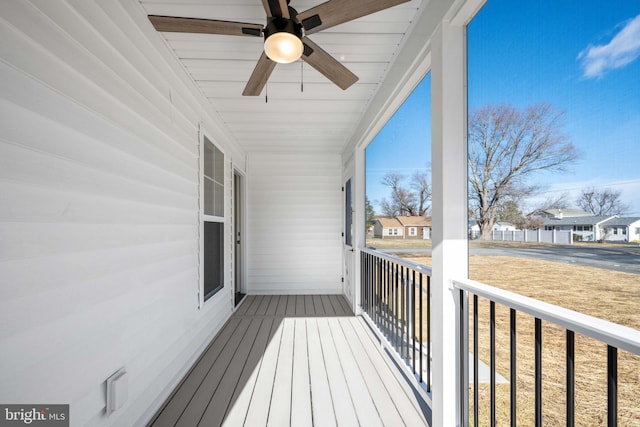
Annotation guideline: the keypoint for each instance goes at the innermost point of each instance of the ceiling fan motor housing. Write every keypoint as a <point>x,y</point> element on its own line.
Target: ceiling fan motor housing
<point>276,24</point>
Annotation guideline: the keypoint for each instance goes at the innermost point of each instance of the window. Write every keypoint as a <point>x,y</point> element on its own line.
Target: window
<point>615,230</point>
<point>412,231</point>
<point>213,218</point>
<point>348,211</point>
<point>624,231</point>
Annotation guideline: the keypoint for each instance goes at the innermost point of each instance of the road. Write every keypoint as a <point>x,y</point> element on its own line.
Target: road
<point>625,258</point>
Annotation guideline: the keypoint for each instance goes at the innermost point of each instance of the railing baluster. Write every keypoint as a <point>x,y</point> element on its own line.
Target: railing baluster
<point>513,354</point>
<point>379,296</point>
<point>420,326</point>
<point>413,288</point>
<point>570,378</point>
<point>405,304</point>
<point>612,386</point>
<point>475,360</point>
<point>538,373</point>
<point>463,337</point>
<point>396,320</point>
<point>492,350</point>
<point>387,289</point>
<point>429,333</point>
<point>364,281</point>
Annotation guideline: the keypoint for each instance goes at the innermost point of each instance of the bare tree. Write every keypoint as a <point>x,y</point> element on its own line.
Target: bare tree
<point>528,222</point>
<point>420,184</point>
<point>507,146</point>
<point>412,200</point>
<point>557,202</point>
<point>601,202</point>
<point>387,209</point>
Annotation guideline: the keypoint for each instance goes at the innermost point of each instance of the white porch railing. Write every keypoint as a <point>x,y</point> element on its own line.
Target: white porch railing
<point>395,295</point>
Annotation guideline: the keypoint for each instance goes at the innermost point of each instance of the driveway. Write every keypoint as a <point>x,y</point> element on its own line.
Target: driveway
<point>625,258</point>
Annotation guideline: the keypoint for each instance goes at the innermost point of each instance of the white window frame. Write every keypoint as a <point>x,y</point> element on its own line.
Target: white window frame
<point>213,219</point>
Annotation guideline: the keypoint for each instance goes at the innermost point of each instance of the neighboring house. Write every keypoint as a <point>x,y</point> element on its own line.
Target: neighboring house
<point>403,227</point>
<point>388,228</point>
<point>587,228</point>
<point>415,227</point>
<point>626,229</point>
<point>559,213</point>
<point>504,226</point>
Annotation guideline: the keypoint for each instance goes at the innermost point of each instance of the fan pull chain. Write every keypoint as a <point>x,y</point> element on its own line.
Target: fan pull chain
<point>301,77</point>
<point>266,93</point>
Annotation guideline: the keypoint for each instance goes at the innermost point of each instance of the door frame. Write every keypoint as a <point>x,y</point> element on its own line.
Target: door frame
<point>349,252</point>
<point>239,221</point>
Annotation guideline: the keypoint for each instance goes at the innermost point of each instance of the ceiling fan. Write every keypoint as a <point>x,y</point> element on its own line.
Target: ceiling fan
<point>285,35</point>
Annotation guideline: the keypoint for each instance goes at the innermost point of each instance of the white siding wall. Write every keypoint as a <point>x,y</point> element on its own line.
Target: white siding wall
<point>294,223</point>
<point>98,211</point>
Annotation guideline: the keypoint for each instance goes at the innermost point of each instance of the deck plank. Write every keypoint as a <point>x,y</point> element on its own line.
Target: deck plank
<point>317,305</point>
<point>264,304</point>
<point>345,305</point>
<point>402,398</point>
<point>326,304</point>
<point>254,304</point>
<point>292,360</point>
<point>301,398</point>
<point>309,309</point>
<point>241,399</point>
<point>280,410</point>
<point>273,305</point>
<point>174,407</point>
<point>281,310</point>
<point>200,400</point>
<point>340,395</point>
<point>362,400</point>
<point>334,300</point>
<point>244,305</point>
<point>300,311</point>
<point>258,412</point>
<point>322,408</point>
<point>382,399</point>
<point>291,305</point>
<point>219,402</point>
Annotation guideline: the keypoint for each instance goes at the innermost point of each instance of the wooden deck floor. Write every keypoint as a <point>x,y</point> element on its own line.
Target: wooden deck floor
<point>293,361</point>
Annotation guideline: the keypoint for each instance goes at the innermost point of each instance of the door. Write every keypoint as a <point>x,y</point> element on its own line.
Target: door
<point>239,238</point>
<point>348,251</point>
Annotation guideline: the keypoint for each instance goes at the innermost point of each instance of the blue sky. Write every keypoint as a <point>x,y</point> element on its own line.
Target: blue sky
<point>582,57</point>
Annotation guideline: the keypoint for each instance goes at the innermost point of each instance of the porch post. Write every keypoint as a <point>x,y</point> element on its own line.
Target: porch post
<point>449,208</point>
<point>359,223</point>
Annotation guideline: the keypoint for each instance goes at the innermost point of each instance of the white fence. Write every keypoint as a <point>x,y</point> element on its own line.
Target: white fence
<point>562,237</point>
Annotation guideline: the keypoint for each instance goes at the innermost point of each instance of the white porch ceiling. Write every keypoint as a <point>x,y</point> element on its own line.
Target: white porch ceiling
<point>322,117</point>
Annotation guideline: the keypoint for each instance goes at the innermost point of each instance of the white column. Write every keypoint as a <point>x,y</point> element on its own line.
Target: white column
<point>359,222</point>
<point>450,247</point>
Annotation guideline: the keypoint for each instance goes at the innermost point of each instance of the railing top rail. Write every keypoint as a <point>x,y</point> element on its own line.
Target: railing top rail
<point>400,261</point>
<point>618,336</point>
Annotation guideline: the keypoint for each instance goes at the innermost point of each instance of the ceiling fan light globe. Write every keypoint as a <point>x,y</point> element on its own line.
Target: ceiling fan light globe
<point>283,47</point>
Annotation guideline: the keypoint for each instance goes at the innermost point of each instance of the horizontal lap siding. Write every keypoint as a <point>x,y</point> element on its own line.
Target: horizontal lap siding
<point>294,223</point>
<point>99,221</point>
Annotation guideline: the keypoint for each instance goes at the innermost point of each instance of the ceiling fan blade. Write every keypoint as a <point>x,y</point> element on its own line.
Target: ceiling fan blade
<point>327,65</point>
<point>276,8</point>
<point>175,24</point>
<point>259,77</point>
<point>334,12</point>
